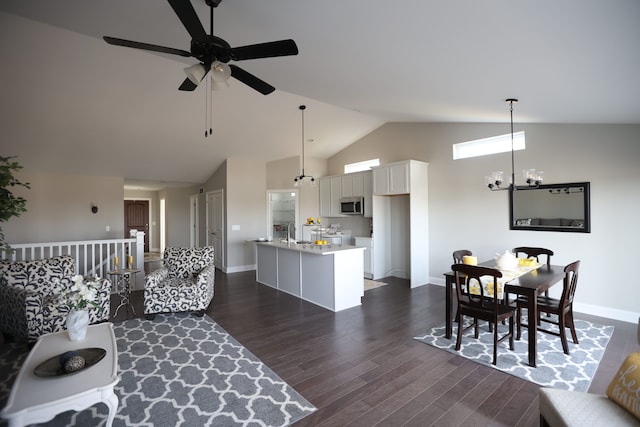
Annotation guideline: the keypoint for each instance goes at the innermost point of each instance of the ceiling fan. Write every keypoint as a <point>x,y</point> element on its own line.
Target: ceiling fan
<point>214,53</point>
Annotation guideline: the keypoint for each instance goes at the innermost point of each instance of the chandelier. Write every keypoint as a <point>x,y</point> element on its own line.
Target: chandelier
<point>532,177</point>
<point>302,178</point>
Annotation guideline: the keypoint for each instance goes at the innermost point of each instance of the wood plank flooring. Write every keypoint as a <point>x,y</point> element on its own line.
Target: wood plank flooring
<point>362,367</point>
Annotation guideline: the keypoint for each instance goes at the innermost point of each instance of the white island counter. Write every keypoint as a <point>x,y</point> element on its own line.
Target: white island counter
<point>330,276</point>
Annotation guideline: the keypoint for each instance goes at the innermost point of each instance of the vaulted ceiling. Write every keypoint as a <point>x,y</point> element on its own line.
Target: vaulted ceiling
<point>72,103</point>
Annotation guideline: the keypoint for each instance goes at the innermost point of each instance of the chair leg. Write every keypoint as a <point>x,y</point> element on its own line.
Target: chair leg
<point>511,344</point>
<point>495,345</point>
<point>518,321</point>
<point>563,333</point>
<point>569,321</point>
<point>460,327</point>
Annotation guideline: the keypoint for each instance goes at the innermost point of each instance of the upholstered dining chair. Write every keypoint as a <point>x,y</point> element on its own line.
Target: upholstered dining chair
<point>473,302</point>
<point>562,308</point>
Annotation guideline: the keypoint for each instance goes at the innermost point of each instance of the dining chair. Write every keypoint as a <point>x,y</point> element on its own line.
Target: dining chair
<point>562,308</point>
<point>535,252</point>
<point>457,255</point>
<point>481,305</point>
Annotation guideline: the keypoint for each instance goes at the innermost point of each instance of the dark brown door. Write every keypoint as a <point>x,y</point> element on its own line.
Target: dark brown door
<point>136,217</point>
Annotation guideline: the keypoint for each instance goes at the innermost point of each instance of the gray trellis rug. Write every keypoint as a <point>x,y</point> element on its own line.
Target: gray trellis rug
<point>554,368</point>
<point>180,369</point>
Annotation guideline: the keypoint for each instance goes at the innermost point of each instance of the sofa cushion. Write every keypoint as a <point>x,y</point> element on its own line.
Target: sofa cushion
<point>625,386</point>
<point>186,263</point>
<point>37,275</point>
<point>575,408</point>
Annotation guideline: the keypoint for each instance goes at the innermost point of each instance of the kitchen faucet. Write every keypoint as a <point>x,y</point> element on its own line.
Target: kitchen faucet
<point>289,231</point>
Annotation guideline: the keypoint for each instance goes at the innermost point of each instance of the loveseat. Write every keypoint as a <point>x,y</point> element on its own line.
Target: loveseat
<point>620,406</point>
<point>30,305</point>
<point>185,283</point>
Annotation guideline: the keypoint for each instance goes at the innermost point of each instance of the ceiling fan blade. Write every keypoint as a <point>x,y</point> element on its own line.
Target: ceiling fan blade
<point>251,80</point>
<point>187,14</point>
<point>265,50</point>
<point>145,46</point>
<point>188,85</point>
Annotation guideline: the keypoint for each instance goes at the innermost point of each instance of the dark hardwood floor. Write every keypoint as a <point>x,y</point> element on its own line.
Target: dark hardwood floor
<point>362,367</point>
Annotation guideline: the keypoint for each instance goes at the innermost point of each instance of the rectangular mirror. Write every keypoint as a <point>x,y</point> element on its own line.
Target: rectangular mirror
<point>551,207</point>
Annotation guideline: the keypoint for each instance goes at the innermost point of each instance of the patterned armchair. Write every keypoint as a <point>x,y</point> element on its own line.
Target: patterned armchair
<point>185,283</point>
<point>29,304</point>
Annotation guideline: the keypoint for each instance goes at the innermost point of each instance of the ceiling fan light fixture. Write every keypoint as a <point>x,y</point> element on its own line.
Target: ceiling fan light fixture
<point>220,72</point>
<point>195,73</point>
<point>215,85</point>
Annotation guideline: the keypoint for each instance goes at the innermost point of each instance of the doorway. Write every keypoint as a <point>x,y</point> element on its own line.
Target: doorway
<point>282,209</point>
<point>136,217</point>
<point>215,225</point>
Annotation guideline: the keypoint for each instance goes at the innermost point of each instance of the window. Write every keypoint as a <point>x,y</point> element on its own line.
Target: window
<point>485,146</point>
<point>361,166</point>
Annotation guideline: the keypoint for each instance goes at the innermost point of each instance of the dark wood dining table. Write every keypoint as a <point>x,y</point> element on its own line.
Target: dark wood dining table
<point>529,285</point>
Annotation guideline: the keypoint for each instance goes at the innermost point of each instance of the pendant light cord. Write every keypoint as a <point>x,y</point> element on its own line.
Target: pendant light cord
<point>302,107</point>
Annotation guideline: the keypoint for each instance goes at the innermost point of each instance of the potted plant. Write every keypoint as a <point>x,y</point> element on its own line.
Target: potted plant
<point>10,205</point>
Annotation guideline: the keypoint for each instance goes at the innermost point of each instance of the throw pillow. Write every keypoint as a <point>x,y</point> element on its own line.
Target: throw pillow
<point>625,387</point>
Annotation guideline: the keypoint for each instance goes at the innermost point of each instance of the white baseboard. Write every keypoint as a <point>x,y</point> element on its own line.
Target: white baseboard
<point>593,310</point>
<point>239,268</point>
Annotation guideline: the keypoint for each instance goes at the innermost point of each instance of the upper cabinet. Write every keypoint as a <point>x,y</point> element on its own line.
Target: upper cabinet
<point>392,178</point>
<point>333,188</point>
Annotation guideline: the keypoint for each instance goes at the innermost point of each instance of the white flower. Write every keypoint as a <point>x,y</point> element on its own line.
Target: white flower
<point>82,291</point>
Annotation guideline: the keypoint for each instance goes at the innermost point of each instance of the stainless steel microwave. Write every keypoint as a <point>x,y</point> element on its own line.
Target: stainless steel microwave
<point>352,206</point>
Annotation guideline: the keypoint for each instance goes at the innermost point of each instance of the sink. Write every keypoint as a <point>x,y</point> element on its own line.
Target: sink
<point>304,242</point>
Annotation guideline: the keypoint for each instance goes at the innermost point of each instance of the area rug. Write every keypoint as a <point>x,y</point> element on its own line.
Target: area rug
<point>180,369</point>
<point>554,368</point>
<point>372,284</point>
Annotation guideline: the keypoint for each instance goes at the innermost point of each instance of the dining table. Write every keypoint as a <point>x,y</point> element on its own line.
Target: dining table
<point>530,285</point>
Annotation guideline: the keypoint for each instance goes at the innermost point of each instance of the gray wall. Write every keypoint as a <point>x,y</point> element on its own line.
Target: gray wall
<point>463,213</point>
<point>59,209</point>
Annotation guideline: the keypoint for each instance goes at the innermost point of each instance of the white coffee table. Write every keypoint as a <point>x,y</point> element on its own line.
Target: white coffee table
<point>35,399</point>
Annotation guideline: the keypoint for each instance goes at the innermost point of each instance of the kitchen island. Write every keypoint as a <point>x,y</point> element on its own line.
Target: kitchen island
<point>331,276</point>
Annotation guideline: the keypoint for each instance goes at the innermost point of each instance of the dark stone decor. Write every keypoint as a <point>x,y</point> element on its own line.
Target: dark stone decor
<point>554,368</point>
<point>180,369</point>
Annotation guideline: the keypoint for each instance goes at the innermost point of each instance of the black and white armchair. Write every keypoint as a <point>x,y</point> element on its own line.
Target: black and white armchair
<point>185,283</point>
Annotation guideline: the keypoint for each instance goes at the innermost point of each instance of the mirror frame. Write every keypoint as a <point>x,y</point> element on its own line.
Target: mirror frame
<point>587,209</point>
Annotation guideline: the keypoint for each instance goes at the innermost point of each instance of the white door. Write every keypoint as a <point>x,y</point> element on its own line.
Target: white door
<point>215,225</point>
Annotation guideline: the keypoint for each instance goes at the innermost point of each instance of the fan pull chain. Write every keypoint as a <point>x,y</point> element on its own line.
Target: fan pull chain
<point>206,108</point>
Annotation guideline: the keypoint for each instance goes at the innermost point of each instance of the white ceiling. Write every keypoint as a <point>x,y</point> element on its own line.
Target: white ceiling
<point>72,103</point>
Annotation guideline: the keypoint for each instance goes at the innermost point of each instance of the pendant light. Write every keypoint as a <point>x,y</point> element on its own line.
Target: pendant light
<point>532,177</point>
<point>302,178</point>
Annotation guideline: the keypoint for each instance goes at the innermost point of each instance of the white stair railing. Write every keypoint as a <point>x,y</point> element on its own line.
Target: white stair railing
<point>92,257</point>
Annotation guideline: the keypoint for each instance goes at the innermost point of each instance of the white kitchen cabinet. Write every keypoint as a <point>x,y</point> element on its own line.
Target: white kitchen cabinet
<point>333,188</point>
<point>325,196</point>
<point>330,194</point>
<point>367,242</point>
<point>353,184</point>
<point>392,178</point>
